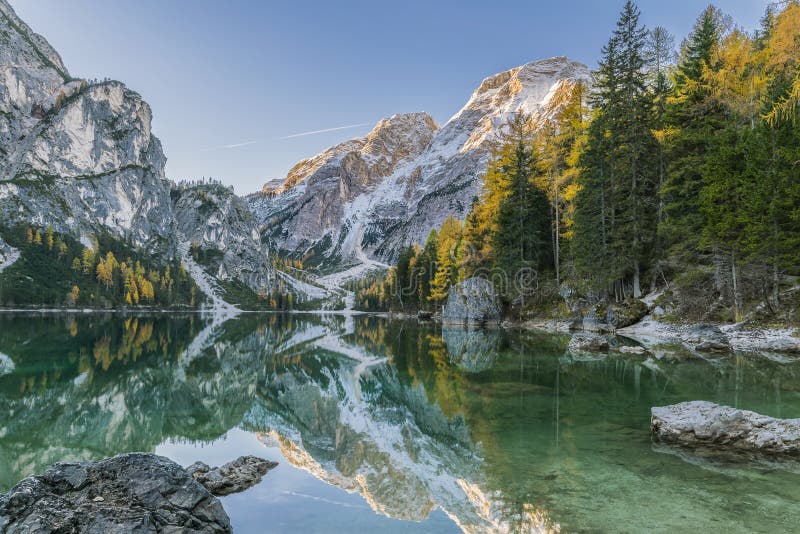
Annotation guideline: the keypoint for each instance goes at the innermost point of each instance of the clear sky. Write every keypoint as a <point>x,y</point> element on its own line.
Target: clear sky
<point>253,72</point>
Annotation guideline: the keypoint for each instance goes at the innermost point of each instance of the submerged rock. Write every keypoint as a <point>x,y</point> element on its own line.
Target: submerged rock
<point>127,493</point>
<point>233,477</point>
<point>473,301</point>
<point>632,349</point>
<point>587,343</point>
<point>707,425</point>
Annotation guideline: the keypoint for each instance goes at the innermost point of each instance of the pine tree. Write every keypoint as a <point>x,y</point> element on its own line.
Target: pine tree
<point>522,239</point>
<point>614,215</point>
<point>448,242</point>
<point>694,117</point>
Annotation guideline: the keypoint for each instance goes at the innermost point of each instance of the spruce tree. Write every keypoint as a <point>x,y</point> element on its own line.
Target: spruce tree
<point>522,238</point>
<point>615,223</point>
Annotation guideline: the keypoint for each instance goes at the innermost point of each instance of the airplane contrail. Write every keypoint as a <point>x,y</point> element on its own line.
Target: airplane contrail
<point>237,145</point>
<point>325,130</point>
<point>301,134</point>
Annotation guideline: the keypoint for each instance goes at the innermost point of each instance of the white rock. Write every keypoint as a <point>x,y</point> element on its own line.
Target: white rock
<point>709,425</point>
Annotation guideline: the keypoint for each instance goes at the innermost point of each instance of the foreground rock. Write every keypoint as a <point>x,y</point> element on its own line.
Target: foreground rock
<point>127,493</point>
<point>233,477</point>
<point>701,424</point>
<point>472,302</point>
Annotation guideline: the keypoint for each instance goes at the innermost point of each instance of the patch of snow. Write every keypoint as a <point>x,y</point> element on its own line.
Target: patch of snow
<point>8,256</point>
<point>311,290</point>
<point>6,364</point>
<point>204,281</point>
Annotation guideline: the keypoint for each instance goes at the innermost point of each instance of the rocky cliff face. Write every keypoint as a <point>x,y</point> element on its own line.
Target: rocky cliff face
<point>223,229</point>
<point>80,156</point>
<point>375,194</point>
<point>75,155</point>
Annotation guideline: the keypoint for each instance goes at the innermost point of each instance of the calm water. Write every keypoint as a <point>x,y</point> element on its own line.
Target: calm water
<point>391,426</point>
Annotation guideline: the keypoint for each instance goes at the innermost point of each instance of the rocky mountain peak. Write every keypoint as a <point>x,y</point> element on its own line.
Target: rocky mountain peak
<point>30,69</point>
<point>400,135</point>
<point>373,195</point>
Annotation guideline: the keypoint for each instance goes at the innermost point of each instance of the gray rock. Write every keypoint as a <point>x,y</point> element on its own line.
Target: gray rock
<point>575,323</point>
<point>591,324</point>
<point>586,342</point>
<point>708,338</point>
<point>626,313</point>
<point>130,493</point>
<point>80,156</point>
<point>212,217</point>
<point>233,477</point>
<point>472,302</point>
<point>707,425</point>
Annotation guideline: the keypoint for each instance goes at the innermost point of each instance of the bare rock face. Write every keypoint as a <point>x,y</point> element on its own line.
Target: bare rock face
<point>74,154</point>
<point>221,225</point>
<point>375,194</point>
<point>233,477</point>
<point>124,494</point>
<point>472,302</point>
<point>705,425</point>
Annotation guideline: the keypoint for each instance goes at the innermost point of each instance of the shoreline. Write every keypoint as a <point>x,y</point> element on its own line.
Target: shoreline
<point>650,332</point>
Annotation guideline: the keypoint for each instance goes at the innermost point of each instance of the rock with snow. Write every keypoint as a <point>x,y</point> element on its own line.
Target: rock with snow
<point>407,176</point>
<point>472,302</point>
<point>8,255</point>
<point>125,494</point>
<point>707,425</point>
<point>6,364</point>
<point>233,477</point>
<point>224,233</point>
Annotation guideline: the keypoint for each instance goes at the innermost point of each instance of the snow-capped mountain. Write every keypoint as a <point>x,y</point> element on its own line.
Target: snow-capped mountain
<point>374,194</point>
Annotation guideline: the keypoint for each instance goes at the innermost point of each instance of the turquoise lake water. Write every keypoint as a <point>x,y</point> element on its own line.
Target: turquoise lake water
<point>392,426</point>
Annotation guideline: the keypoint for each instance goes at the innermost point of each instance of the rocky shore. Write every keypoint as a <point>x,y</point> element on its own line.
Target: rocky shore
<point>129,493</point>
<point>701,338</point>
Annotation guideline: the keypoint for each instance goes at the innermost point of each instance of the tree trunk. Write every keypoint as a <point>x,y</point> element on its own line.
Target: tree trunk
<point>637,290</point>
<point>736,305</point>
<point>557,243</point>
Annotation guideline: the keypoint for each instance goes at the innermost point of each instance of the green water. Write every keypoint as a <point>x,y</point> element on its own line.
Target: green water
<point>392,426</point>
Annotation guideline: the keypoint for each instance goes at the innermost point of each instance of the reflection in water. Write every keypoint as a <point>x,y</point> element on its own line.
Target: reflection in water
<point>496,429</point>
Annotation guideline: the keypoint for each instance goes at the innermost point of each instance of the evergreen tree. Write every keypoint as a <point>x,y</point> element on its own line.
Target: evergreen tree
<point>522,238</point>
<point>615,212</point>
<point>694,117</point>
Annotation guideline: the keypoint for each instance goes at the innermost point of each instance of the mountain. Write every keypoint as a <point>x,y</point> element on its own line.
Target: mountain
<point>79,156</point>
<point>368,197</point>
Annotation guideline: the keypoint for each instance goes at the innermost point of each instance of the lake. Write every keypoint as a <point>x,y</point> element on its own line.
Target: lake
<point>392,426</point>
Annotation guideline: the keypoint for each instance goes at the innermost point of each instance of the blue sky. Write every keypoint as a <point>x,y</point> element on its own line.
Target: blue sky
<point>252,73</point>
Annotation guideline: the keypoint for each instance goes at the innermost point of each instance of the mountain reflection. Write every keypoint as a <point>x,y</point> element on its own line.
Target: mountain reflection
<point>497,429</point>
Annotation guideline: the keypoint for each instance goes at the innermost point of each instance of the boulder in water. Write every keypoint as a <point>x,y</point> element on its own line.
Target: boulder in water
<point>124,494</point>
<point>707,425</point>
<point>233,477</point>
<point>472,302</point>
